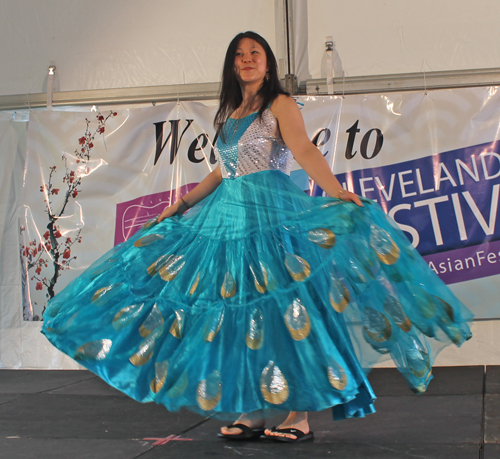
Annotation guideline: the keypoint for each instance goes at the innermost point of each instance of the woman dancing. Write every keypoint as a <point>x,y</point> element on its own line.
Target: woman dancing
<point>259,299</point>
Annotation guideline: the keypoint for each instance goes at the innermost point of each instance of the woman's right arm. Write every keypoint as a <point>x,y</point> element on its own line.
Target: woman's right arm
<point>206,187</point>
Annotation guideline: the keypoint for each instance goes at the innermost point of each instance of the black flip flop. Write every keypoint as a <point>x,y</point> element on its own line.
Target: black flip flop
<point>247,433</point>
<point>301,436</point>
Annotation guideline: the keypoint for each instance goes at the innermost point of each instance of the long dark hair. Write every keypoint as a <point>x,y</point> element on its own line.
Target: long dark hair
<point>230,97</point>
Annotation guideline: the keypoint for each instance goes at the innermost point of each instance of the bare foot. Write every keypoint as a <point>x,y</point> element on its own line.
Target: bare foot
<point>246,421</point>
<point>295,420</point>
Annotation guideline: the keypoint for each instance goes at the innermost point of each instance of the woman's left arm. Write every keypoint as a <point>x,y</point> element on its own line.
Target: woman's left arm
<point>308,156</point>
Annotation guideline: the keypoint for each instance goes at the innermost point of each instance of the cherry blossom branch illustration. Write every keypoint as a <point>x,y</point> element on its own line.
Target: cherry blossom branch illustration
<point>54,248</point>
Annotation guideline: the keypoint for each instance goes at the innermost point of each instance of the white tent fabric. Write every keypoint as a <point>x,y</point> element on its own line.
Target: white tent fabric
<point>121,43</point>
<point>403,36</point>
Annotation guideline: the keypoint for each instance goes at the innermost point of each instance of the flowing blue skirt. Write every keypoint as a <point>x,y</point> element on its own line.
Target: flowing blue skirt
<point>258,298</point>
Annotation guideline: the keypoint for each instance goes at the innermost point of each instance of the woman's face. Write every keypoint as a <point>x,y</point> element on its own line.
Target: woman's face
<point>250,62</point>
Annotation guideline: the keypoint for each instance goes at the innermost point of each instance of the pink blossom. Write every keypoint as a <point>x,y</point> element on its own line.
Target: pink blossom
<point>39,286</point>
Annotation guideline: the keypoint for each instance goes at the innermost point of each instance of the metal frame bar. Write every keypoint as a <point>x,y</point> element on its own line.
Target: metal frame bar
<point>150,94</point>
<point>289,30</point>
<point>406,82</point>
<point>204,91</point>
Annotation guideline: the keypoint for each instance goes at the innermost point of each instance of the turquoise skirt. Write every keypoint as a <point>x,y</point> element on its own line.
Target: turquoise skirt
<point>258,298</point>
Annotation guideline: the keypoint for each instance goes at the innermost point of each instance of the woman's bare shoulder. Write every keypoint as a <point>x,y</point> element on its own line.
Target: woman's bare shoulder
<point>282,102</point>
<point>284,106</point>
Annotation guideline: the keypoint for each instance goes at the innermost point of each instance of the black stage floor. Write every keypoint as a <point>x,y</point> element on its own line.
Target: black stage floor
<point>74,415</point>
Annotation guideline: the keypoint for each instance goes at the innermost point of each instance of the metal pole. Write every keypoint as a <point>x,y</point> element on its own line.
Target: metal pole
<point>290,77</point>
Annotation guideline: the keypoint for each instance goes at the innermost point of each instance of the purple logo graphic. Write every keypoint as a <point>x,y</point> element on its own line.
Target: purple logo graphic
<point>467,263</point>
<point>131,215</point>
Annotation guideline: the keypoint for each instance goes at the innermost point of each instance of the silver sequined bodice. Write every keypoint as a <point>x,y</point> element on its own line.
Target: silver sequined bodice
<point>252,145</point>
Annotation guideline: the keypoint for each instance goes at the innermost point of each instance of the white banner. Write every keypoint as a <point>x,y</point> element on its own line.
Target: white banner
<point>431,161</point>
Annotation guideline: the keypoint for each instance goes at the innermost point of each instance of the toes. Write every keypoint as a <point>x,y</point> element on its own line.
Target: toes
<point>232,431</point>
<point>272,433</point>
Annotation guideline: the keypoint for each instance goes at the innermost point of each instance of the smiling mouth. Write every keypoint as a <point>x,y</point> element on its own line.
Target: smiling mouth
<point>247,68</point>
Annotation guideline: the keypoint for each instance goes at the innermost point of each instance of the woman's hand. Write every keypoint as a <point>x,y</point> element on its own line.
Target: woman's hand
<point>346,195</point>
<point>206,187</point>
<point>175,209</point>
